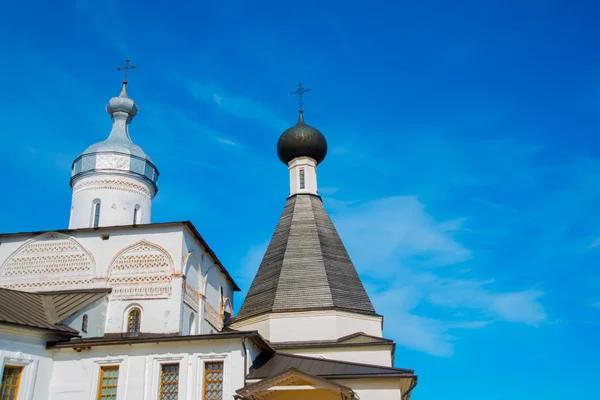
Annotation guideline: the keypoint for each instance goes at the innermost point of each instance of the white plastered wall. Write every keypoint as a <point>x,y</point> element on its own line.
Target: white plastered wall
<point>212,281</point>
<point>96,314</point>
<point>118,194</point>
<point>75,374</point>
<point>311,325</point>
<point>27,348</point>
<point>162,312</point>
<point>308,168</point>
<point>374,355</point>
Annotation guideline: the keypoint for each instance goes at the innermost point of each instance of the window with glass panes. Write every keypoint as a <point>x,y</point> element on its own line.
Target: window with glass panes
<point>169,382</point>
<point>133,322</point>
<point>301,179</point>
<point>109,379</point>
<point>213,380</point>
<point>11,378</point>
<point>96,223</point>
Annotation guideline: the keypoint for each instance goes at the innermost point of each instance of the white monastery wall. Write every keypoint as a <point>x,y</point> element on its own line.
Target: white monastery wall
<point>27,348</point>
<point>144,266</point>
<point>311,325</point>
<point>96,319</point>
<point>75,374</point>
<point>118,194</point>
<point>375,355</point>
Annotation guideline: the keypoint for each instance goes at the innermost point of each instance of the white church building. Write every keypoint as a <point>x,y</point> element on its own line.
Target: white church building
<point>116,307</point>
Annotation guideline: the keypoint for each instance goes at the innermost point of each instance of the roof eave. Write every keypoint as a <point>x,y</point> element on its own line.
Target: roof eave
<point>68,332</point>
<point>96,342</point>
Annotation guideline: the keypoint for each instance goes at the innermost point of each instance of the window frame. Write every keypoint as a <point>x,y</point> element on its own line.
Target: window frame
<point>96,209</point>
<point>29,373</point>
<point>130,332</point>
<point>120,362</point>
<point>104,368</point>
<point>17,386</point>
<point>161,381</point>
<point>205,381</point>
<point>302,179</point>
<point>84,323</point>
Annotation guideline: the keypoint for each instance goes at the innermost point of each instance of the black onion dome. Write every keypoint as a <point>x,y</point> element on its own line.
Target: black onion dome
<point>301,140</point>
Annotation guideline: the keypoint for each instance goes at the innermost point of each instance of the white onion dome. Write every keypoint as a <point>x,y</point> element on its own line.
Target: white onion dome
<point>117,154</point>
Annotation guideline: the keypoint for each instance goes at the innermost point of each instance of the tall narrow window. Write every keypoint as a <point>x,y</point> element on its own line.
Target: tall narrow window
<point>136,212</point>
<point>302,179</point>
<point>133,322</point>
<point>213,380</point>
<point>11,378</point>
<point>84,323</point>
<point>109,379</point>
<point>96,214</point>
<point>169,382</point>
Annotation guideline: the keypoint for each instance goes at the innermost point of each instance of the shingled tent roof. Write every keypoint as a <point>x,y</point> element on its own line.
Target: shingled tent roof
<point>306,266</point>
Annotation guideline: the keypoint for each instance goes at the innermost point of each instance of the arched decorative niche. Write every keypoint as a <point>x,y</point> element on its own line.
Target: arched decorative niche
<point>192,324</point>
<point>49,261</point>
<point>192,291</point>
<point>141,270</point>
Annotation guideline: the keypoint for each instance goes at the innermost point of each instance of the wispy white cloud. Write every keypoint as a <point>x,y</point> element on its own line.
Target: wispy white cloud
<point>400,227</point>
<point>595,243</point>
<point>236,105</point>
<point>394,242</point>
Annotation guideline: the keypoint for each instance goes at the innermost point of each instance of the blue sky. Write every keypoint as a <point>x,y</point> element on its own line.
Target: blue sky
<point>463,171</point>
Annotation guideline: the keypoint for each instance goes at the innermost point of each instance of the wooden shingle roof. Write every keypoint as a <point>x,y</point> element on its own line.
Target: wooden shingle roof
<point>306,266</point>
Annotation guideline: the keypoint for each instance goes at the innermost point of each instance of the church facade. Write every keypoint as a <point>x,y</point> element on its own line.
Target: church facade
<point>118,307</point>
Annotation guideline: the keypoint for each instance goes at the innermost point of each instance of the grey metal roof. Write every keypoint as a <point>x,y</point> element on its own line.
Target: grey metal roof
<point>355,339</point>
<point>66,303</point>
<point>306,266</point>
<point>45,310</point>
<point>270,365</point>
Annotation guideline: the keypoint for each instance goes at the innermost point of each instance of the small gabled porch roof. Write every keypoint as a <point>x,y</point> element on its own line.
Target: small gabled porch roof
<point>294,380</point>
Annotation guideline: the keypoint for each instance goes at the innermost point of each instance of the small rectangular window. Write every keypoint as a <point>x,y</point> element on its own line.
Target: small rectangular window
<point>135,214</point>
<point>96,215</point>
<point>301,179</point>
<point>213,380</point>
<point>169,382</point>
<point>11,378</point>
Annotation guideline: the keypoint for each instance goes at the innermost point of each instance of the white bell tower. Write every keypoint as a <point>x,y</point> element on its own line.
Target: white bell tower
<point>113,181</point>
